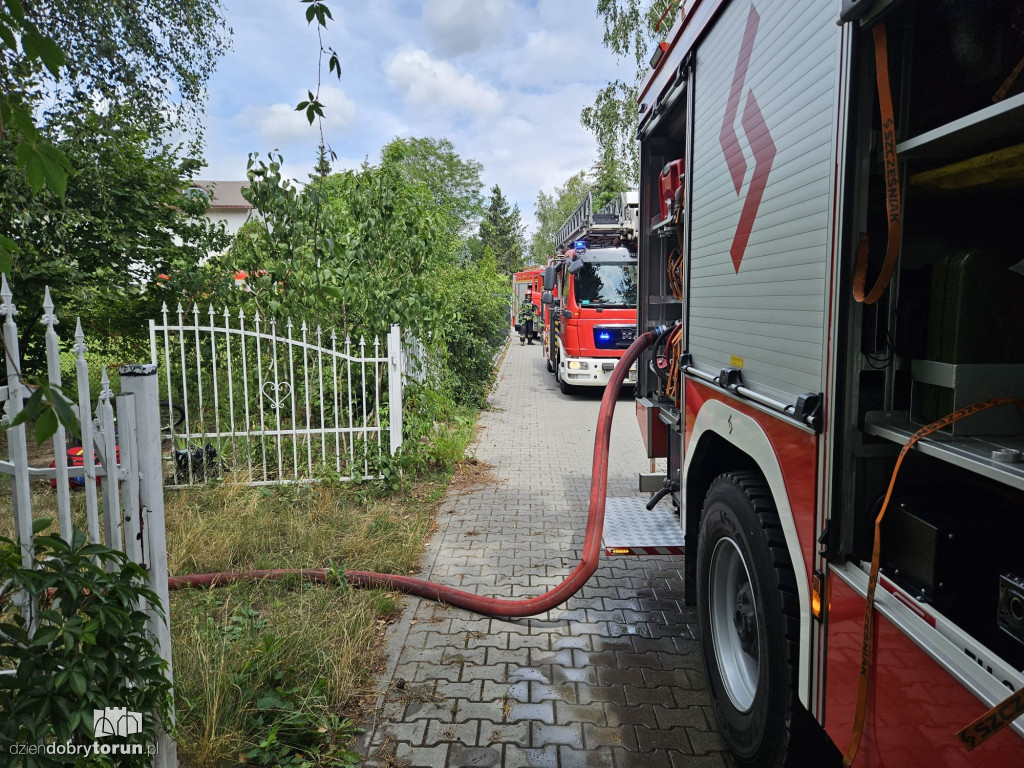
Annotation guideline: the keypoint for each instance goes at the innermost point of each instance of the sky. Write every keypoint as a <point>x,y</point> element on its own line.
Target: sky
<point>504,80</point>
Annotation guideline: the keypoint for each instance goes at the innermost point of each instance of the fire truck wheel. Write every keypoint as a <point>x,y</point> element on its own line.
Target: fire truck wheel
<point>748,618</point>
<point>566,387</point>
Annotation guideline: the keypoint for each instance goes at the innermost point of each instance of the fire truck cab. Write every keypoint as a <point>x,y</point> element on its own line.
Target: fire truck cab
<point>591,293</point>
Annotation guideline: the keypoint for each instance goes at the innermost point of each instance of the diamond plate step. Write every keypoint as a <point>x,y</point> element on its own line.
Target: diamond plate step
<point>630,529</point>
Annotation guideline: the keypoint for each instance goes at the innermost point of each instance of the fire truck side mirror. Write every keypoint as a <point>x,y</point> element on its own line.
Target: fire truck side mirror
<point>575,266</point>
<point>549,279</point>
<point>546,298</point>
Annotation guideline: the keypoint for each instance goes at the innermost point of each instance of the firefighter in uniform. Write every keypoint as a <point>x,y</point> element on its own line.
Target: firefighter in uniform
<point>527,313</point>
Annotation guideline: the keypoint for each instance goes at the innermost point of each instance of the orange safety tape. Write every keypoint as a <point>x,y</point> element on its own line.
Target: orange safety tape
<point>867,649</point>
<point>893,204</point>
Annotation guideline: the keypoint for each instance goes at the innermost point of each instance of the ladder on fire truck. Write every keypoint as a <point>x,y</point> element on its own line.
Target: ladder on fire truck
<point>618,220</point>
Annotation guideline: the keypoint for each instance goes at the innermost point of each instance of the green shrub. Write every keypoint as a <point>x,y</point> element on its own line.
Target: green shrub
<point>91,650</point>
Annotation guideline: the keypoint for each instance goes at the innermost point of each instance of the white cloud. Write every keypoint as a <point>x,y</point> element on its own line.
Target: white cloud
<point>282,124</point>
<point>432,83</point>
<point>462,26</point>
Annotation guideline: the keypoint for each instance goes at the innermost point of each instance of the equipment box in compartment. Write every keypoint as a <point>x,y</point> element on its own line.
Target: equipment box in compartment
<point>941,388</point>
<point>948,547</point>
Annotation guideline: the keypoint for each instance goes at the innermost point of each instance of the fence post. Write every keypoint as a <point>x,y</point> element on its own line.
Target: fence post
<point>395,382</point>
<point>17,445</point>
<point>60,444</point>
<point>141,380</point>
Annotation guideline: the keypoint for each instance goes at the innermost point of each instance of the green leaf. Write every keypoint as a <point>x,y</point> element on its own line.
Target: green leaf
<point>40,525</point>
<point>7,36</point>
<point>310,13</point>
<point>62,406</point>
<point>38,46</point>
<point>30,409</point>
<point>29,161</point>
<point>22,120</point>
<point>46,426</point>
<point>8,246</point>
<point>77,682</point>
<point>56,168</point>
<point>45,636</point>
<point>17,11</point>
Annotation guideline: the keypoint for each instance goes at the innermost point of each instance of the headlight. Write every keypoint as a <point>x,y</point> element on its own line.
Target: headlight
<point>576,365</point>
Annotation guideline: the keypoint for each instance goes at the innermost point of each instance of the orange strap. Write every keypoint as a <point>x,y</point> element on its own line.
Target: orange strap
<point>1008,82</point>
<point>893,204</point>
<point>993,721</point>
<point>675,275</point>
<point>674,352</point>
<point>869,604</point>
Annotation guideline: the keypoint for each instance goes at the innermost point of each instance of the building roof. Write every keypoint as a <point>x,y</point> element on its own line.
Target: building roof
<point>224,194</point>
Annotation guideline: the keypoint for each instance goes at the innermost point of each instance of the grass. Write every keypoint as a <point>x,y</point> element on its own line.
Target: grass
<point>279,673</point>
<point>291,655</point>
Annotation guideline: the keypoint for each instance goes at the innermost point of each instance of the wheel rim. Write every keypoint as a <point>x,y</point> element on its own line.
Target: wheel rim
<point>734,627</point>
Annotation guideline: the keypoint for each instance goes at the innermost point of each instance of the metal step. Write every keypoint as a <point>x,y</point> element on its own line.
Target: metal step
<point>630,529</point>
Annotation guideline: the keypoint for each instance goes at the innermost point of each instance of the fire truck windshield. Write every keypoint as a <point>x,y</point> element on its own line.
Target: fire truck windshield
<point>606,285</point>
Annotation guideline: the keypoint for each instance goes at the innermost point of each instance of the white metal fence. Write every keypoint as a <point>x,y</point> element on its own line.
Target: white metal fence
<point>244,396</point>
<point>127,514</point>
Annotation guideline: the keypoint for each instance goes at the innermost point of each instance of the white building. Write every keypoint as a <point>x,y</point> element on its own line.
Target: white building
<point>226,203</point>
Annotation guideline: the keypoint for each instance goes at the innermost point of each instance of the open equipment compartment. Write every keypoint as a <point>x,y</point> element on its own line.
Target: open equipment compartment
<point>950,329</point>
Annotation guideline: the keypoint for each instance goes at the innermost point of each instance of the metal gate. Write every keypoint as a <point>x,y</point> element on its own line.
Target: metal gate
<point>244,400</point>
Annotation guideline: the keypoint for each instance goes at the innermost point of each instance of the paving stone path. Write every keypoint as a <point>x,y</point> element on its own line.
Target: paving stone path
<point>611,678</point>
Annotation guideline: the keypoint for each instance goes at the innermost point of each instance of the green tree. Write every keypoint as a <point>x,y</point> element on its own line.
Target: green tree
<point>552,211</point>
<point>91,93</point>
<point>376,253</point>
<point>629,31</point>
<point>607,179</point>
<point>502,230</point>
<point>453,183</point>
<point>124,219</point>
<point>153,57</point>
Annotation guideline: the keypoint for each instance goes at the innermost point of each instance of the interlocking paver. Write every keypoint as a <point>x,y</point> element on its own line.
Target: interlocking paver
<point>613,678</point>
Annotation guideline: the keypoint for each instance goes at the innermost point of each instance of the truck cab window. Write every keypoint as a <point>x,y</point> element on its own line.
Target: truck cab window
<point>606,285</point>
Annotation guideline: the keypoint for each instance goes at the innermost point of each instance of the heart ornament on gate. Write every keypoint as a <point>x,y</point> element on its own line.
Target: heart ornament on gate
<point>277,393</point>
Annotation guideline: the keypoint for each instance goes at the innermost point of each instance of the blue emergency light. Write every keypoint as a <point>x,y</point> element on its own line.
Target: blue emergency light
<point>604,336</point>
<point>581,245</point>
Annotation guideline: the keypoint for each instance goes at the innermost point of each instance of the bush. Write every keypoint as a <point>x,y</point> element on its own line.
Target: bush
<point>91,650</point>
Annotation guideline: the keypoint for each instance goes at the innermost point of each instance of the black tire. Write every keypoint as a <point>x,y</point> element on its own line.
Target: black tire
<point>748,614</point>
<point>566,387</point>
<point>170,416</point>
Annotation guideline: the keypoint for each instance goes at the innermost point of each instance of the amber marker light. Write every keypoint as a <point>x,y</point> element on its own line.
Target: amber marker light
<point>816,595</point>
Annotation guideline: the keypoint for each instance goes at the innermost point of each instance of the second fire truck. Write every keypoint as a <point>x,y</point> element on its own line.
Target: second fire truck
<point>590,292</point>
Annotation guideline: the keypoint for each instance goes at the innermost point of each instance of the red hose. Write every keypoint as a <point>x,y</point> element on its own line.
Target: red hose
<point>491,606</point>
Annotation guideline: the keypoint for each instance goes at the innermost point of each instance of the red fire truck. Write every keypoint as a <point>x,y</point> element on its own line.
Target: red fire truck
<point>832,251</point>
<point>590,293</point>
<point>526,286</point>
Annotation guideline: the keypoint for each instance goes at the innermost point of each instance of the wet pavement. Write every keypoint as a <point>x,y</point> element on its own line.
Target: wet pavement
<point>612,678</point>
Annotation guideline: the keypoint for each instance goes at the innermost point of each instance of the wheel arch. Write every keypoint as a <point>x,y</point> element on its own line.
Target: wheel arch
<point>725,439</point>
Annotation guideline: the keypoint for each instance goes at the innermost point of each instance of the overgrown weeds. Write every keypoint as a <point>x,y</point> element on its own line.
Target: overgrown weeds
<point>279,673</point>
